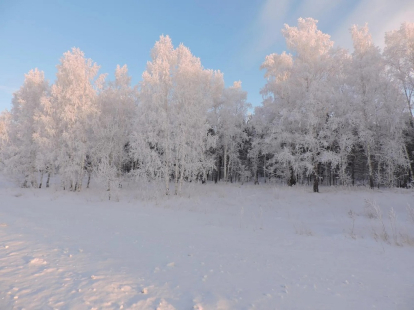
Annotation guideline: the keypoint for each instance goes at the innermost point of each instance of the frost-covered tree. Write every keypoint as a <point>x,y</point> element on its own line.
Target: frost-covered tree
<point>229,117</point>
<point>112,130</point>
<point>73,106</point>
<point>399,55</point>
<point>375,108</point>
<point>326,115</point>
<point>46,137</point>
<point>21,153</point>
<point>5,118</point>
<point>151,143</point>
<point>267,119</point>
<point>298,95</point>
<point>193,97</point>
<point>171,130</point>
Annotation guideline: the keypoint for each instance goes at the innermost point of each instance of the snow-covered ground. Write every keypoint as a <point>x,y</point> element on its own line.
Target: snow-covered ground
<point>226,246</point>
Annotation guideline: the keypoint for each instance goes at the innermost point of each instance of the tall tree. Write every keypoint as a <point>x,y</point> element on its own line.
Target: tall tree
<point>399,56</point>
<point>5,118</point>
<point>22,152</point>
<point>298,91</point>
<point>171,131</point>
<point>73,104</point>
<point>112,131</point>
<point>375,106</point>
<point>230,123</point>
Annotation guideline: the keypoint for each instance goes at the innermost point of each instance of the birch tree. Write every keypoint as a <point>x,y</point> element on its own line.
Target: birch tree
<point>73,103</point>
<point>231,118</point>
<point>375,106</point>
<point>5,118</point>
<point>22,152</point>
<point>399,56</point>
<point>171,131</point>
<point>112,130</point>
<point>299,86</point>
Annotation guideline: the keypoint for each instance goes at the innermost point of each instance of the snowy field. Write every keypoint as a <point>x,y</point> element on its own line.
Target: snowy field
<point>226,246</point>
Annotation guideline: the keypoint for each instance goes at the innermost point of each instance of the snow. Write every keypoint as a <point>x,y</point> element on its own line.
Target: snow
<point>218,246</point>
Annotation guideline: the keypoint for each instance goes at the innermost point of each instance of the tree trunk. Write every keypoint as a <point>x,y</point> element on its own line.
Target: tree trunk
<point>81,174</point>
<point>176,177</point>
<point>330,174</point>
<point>371,177</point>
<point>181,179</point>
<point>410,171</point>
<point>41,180</point>
<point>89,179</point>
<point>205,176</point>
<point>109,190</point>
<point>225,163</point>
<point>219,168</point>
<point>316,178</point>
<point>353,171</point>
<point>167,179</point>
<point>256,175</point>
<point>215,173</point>
<point>291,180</point>
<point>48,180</point>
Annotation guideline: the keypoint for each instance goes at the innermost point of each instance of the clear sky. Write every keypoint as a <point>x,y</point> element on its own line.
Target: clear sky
<point>233,36</point>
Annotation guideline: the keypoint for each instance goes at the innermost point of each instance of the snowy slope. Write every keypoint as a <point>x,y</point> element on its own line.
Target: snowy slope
<point>216,247</point>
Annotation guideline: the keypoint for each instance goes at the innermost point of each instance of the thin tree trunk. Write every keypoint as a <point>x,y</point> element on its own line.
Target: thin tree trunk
<point>256,180</point>
<point>219,168</point>
<point>291,180</point>
<point>205,176</point>
<point>41,180</point>
<point>176,177</point>
<point>316,178</point>
<point>81,174</point>
<point>109,190</point>
<point>330,175</point>
<point>225,163</point>
<point>167,147</point>
<point>371,177</point>
<point>89,179</point>
<point>167,179</point>
<point>410,171</point>
<point>181,178</point>
<point>48,179</point>
<point>216,172</point>
<point>353,171</point>
<point>230,170</point>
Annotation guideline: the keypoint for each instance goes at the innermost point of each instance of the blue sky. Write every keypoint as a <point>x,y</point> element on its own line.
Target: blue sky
<point>233,36</point>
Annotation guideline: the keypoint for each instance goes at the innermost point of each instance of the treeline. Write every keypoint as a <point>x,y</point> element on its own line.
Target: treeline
<point>327,116</point>
<point>345,117</point>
